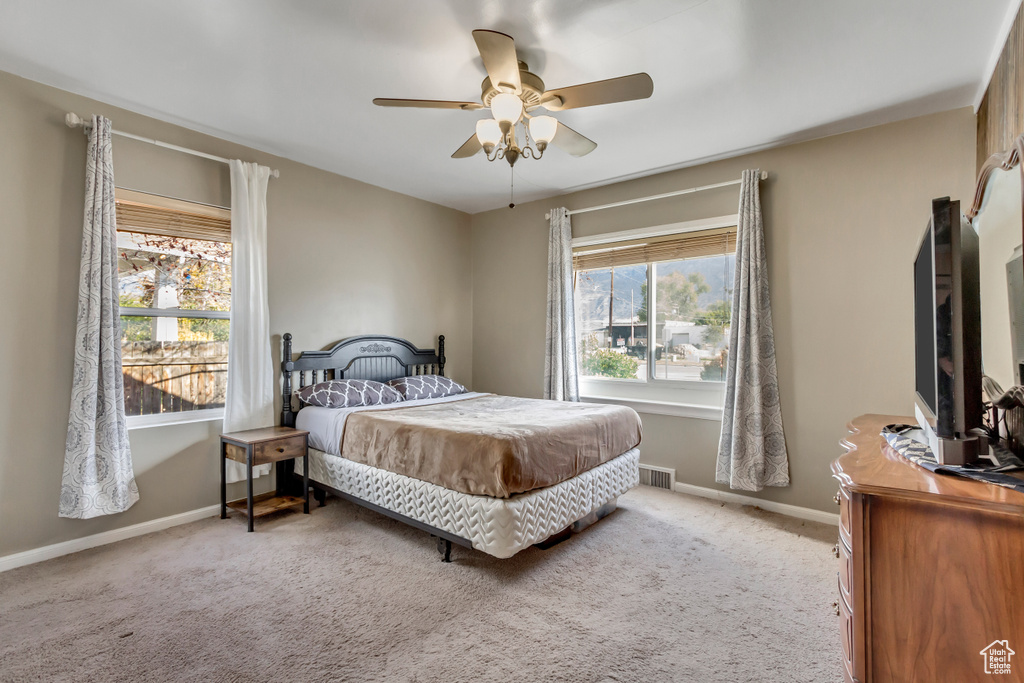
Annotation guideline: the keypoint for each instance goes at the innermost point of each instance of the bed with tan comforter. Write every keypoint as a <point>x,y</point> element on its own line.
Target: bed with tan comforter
<point>491,445</point>
<point>541,464</point>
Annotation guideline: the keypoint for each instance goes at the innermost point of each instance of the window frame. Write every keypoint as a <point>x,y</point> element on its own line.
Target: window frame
<point>133,422</point>
<point>181,417</point>
<point>687,398</point>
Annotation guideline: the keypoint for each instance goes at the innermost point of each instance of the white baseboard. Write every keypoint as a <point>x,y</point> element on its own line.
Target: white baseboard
<point>770,506</point>
<point>48,552</point>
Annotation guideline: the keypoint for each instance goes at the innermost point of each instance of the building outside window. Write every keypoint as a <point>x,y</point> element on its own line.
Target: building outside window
<point>174,271</point>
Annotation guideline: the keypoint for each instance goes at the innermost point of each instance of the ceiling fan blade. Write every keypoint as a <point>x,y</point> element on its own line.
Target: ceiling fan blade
<point>499,54</point>
<point>427,104</point>
<point>622,89</point>
<point>468,149</point>
<point>572,142</point>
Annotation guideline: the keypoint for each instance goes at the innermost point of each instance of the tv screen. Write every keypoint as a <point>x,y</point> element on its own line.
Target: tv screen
<point>924,323</point>
<point>947,335</point>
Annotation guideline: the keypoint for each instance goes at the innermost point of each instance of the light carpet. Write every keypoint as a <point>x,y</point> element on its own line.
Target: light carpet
<point>667,588</point>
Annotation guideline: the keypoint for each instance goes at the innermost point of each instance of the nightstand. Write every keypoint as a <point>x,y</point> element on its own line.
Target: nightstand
<point>259,447</point>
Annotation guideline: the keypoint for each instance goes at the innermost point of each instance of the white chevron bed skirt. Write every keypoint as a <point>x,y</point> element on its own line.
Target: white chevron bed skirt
<point>497,526</point>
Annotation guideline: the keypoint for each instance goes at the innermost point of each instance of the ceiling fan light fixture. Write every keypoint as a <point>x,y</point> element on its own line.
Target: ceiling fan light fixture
<point>510,90</point>
<point>507,109</point>
<point>488,132</point>
<point>543,129</point>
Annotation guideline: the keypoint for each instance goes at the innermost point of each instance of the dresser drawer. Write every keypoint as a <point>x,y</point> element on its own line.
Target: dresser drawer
<point>279,449</point>
<point>845,571</point>
<point>848,672</point>
<point>846,630</point>
<point>845,517</point>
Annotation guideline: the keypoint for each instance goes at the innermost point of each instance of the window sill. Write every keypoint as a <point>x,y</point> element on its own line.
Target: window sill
<point>693,410</point>
<point>164,419</point>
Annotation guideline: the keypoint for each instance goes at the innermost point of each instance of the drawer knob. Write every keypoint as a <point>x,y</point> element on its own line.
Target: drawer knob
<point>280,449</point>
<point>835,550</point>
<point>836,497</point>
<point>835,606</point>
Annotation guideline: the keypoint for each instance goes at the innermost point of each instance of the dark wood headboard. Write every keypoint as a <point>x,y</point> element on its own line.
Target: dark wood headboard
<point>373,357</point>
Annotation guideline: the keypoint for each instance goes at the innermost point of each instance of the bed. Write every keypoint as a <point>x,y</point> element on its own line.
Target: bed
<point>492,473</point>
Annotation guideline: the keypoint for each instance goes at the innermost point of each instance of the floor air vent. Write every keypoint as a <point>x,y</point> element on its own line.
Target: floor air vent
<point>659,477</point>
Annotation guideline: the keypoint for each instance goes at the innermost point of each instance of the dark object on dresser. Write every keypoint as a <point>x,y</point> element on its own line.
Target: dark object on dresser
<point>931,567</point>
<point>947,336</point>
<point>255,447</point>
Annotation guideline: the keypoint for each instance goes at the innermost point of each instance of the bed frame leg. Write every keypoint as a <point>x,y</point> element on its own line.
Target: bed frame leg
<point>445,548</point>
<point>320,495</point>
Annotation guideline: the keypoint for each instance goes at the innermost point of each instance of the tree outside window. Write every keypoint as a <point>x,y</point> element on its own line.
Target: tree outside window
<point>175,296</point>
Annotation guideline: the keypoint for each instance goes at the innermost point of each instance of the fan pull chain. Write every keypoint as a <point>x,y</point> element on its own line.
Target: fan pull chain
<point>512,189</point>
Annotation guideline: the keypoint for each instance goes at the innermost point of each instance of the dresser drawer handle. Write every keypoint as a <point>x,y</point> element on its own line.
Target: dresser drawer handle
<point>280,449</point>
<point>835,550</point>
<point>836,498</point>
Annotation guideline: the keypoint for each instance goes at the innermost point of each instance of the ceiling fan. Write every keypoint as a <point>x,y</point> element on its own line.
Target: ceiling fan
<point>512,92</point>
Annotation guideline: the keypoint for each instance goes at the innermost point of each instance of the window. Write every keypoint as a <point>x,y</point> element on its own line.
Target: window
<point>174,277</point>
<point>654,310</point>
<point>611,321</point>
<point>693,304</point>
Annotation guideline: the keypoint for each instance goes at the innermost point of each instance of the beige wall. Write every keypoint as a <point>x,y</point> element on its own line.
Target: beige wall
<point>843,216</point>
<point>330,239</point>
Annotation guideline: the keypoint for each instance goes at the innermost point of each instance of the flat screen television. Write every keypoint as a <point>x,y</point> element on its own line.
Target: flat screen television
<point>947,333</point>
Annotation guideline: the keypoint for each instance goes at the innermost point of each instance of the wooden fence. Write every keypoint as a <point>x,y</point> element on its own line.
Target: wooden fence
<point>164,377</point>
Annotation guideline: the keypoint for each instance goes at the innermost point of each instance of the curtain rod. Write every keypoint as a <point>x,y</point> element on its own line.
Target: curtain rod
<point>764,176</point>
<point>73,120</point>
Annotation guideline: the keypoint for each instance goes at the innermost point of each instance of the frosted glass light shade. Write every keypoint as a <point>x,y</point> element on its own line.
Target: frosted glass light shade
<point>507,108</point>
<point>543,128</point>
<point>488,132</point>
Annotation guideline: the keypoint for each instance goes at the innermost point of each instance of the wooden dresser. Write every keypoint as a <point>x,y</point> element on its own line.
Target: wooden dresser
<point>931,567</point>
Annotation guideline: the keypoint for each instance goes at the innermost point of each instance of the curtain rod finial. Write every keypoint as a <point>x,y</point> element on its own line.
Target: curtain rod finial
<point>764,175</point>
<point>73,120</point>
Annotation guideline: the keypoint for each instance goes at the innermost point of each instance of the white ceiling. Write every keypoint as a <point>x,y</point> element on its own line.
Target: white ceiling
<point>297,78</point>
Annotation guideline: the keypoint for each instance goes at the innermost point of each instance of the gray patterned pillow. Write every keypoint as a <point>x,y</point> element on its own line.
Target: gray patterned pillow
<point>426,386</point>
<point>348,393</point>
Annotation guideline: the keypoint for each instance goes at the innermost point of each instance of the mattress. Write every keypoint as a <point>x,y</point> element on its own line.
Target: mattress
<point>487,444</point>
<point>497,526</point>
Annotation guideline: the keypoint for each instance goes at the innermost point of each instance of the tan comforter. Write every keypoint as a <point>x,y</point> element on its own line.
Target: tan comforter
<point>491,445</point>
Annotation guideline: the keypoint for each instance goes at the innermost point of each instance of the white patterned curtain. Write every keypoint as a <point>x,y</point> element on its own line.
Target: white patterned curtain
<point>752,448</point>
<point>250,394</point>
<point>98,478</point>
<point>560,373</point>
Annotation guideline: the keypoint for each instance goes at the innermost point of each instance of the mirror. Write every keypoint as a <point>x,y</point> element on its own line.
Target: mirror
<point>998,217</point>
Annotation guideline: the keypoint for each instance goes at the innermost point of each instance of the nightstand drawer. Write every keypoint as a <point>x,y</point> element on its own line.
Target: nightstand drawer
<point>279,449</point>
